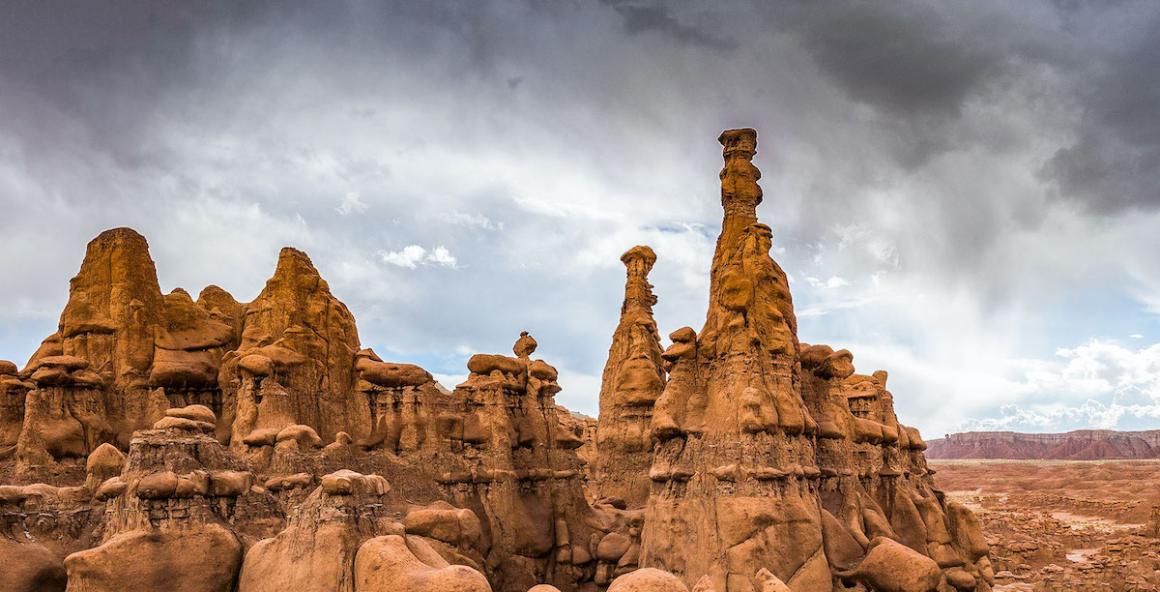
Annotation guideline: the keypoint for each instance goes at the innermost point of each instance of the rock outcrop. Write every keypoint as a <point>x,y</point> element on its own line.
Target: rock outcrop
<point>316,551</point>
<point>633,380</point>
<point>30,567</point>
<point>391,563</point>
<point>124,352</point>
<point>1075,445</point>
<point>161,442</point>
<point>296,361</point>
<point>169,513</point>
<point>524,478</point>
<point>13,393</point>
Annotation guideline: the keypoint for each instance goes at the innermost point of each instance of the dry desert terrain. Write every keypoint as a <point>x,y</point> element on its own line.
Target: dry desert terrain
<point>1064,525</point>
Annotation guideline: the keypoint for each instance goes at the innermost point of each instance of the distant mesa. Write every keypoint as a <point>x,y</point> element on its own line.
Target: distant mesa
<point>1075,445</point>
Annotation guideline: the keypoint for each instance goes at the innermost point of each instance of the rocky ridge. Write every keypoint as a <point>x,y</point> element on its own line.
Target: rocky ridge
<point>1074,445</point>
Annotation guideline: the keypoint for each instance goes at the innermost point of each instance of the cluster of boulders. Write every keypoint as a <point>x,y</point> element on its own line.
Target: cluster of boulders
<point>161,442</point>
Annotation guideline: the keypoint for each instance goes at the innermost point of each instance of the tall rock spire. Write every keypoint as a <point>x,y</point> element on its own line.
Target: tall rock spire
<point>734,477</point>
<point>633,380</point>
<point>740,193</point>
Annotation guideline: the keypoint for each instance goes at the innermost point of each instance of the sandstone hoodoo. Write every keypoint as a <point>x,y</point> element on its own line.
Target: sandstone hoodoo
<point>296,361</point>
<point>774,455</point>
<point>634,378</point>
<point>156,442</point>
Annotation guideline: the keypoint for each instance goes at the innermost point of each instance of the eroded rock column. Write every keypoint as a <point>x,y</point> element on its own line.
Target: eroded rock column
<point>734,476</point>
<point>633,381</point>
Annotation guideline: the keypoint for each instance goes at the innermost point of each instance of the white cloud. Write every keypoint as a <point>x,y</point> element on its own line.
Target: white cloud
<point>827,307</point>
<point>352,203</point>
<point>441,256</point>
<point>1098,384</point>
<point>1098,367</point>
<point>1090,413</point>
<point>412,256</point>
<point>449,381</point>
<point>831,284</point>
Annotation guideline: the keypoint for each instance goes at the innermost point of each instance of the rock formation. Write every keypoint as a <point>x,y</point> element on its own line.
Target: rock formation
<point>523,477</point>
<point>296,361</point>
<point>124,352</point>
<point>168,513</point>
<point>1075,445</point>
<point>316,551</point>
<point>773,455</point>
<point>13,392</point>
<point>731,492</point>
<point>161,442</point>
<point>633,381</point>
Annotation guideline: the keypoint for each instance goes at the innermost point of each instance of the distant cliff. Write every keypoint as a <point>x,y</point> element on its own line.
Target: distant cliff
<point>1077,445</point>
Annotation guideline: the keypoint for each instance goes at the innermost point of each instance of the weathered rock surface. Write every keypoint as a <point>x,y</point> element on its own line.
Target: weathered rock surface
<point>730,494</point>
<point>648,580</point>
<point>315,552</point>
<point>13,392</point>
<point>201,559</point>
<point>391,563</point>
<point>29,567</point>
<point>1075,445</point>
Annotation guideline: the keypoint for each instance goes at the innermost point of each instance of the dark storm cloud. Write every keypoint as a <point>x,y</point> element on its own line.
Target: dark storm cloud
<point>907,58</point>
<point>1115,160</point>
<point>918,64</point>
<point>644,17</point>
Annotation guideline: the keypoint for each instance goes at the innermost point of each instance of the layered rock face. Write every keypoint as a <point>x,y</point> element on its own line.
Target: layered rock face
<point>168,513</point>
<point>211,444</point>
<point>524,478</point>
<point>1076,445</point>
<point>13,392</point>
<point>633,380</point>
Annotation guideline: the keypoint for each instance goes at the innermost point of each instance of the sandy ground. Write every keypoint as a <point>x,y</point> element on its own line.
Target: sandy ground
<point>1064,525</point>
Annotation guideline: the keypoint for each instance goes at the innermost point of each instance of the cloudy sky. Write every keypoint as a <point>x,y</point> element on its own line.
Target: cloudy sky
<point>966,194</point>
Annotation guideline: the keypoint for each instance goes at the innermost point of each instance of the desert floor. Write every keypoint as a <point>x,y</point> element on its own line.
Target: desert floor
<point>1064,525</point>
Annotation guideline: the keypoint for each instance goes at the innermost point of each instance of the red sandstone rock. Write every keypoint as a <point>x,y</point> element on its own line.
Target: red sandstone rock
<point>734,393</point>
<point>203,559</point>
<point>648,580</point>
<point>122,355</point>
